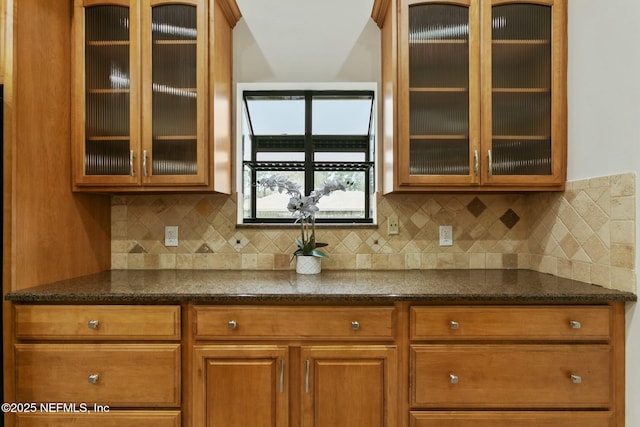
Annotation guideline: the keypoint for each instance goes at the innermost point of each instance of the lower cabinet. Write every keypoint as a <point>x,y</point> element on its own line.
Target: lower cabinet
<point>401,365</point>
<point>516,366</point>
<point>511,419</point>
<point>102,419</point>
<point>255,385</point>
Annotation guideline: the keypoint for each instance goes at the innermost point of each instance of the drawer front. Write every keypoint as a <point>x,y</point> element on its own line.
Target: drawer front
<point>98,322</point>
<point>511,376</point>
<point>102,419</point>
<point>511,322</point>
<point>512,419</point>
<point>246,322</point>
<point>117,375</point>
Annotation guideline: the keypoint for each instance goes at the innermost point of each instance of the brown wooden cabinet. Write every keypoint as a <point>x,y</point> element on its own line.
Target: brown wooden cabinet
<point>109,365</point>
<point>515,365</point>
<point>144,75</point>
<point>474,94</point>
<point>307,366</point>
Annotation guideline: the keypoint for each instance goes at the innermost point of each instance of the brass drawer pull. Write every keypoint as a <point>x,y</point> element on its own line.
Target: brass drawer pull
<point>93,324</point>
<point>453,325</point>
<point>355,325</point>
<point>93,378</point>
<point>576,379</point>
<point>232,324</point>
<point>575,324</point>
<point>453,379</point>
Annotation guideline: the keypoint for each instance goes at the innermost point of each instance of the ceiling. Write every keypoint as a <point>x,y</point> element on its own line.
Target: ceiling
<point>318,33</point>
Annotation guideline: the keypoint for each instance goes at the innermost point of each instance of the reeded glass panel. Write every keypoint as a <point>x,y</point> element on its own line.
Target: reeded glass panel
<point>439,156</point>
<point>174,75</point>
<point>439,89</point>
<point>521,80</point>
<point>107,128</point>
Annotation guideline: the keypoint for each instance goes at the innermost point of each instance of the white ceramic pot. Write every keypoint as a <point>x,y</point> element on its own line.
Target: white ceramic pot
<point>306,264</point>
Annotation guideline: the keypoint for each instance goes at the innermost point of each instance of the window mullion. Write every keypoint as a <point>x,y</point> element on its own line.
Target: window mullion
<point>309,168</point>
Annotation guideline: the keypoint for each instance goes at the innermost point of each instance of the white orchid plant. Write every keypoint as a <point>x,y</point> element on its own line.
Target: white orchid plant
<point>304,208</point>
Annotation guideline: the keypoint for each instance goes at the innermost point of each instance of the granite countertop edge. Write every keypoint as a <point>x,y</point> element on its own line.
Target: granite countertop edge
<point>333,286</point>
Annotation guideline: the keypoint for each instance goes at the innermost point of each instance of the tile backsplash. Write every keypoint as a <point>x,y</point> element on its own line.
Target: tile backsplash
<point>586,233</point>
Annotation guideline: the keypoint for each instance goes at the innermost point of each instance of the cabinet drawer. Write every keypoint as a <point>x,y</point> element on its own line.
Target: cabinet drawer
<point>102,419</point>
<point>116,375</point>
<point>512,419</point>
<point>511,376</point>
<point>244,322</point>
<point>98,322</point>
<point>511,322</point>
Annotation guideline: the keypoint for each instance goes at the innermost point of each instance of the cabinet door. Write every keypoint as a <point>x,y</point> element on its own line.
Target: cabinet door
<point>524,101</point>
<point>438,96</point>
<point>349,386</point>
<point>105,130</point>
<point>240,386</point>
<point>174,68</point>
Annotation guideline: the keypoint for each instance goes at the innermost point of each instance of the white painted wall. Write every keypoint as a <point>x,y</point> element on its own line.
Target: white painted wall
<point>604,121</point>
<point>603,105</point>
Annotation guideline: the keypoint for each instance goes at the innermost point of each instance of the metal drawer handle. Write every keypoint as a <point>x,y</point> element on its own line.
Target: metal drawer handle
<point>454,325</point>
<point>93,324</point>
<point>232,324</point>
<point>281,376</point>
<point>93,378</point>
<point>575,324</point>
<point>306,376</point>
<point>576,379</point>
<point>355,325</point>
<point>453,379</point>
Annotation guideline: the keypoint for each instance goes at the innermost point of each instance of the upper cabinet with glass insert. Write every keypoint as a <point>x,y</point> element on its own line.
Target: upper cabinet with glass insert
<point>144,74</point>
<point>474,94</point>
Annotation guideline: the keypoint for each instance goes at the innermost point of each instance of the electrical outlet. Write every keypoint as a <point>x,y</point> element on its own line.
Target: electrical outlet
<point>393,225</point>
<point>446,235</point>
<point>171,235</point>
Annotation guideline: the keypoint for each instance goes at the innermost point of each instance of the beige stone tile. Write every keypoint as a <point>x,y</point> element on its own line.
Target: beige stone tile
<point>282,261</point>
<point>623,232</point>
<point>623,208</point>
<point>429,260</point>
<point>569,245</point>
<point>549,265</point>
<point>445,260</point>
<point>363,261</point>
<point>510,261</point>
<point>461,260</point>
<point>581,271</point>
<point>623,279</point>
<point>136,262</point>
<point>380,261</point>
<point>596,249</point>
<point>622,256</point>
<point>601,275</point>
<point>602,181</point>
<point>623,185</point>
<point>477,260</point>
<point>564,268</point>
<point>412,261</point>
<point>184,261</point>
<point>494,260</point>
<point>397,261</point>
<point>167,261</point>
<point>119,261</point>
<point>249,261</point>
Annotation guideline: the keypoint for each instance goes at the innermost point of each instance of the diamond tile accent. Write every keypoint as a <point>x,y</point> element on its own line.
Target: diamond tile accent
<point>510,218</point>
<point>476,207</point>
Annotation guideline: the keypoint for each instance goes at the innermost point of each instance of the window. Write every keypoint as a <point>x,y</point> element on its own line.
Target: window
<point>309,136</point>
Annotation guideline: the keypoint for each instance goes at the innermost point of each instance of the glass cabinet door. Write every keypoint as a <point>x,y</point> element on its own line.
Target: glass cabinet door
<point>174,72</point>
<point>439,115</point>
<point>520,123</point>
<point>109,129</point>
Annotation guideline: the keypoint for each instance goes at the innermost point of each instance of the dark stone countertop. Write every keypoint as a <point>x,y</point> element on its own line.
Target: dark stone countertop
<point>353,286</point>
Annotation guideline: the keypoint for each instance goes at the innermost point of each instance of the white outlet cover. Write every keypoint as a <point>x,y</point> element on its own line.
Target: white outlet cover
<point>446,235</point>
<point>171,235</point>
